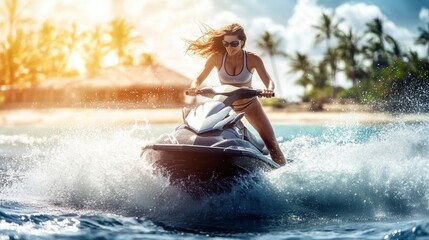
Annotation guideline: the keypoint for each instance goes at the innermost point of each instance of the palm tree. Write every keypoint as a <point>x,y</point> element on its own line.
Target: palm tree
<point>2,67</point>
<point>17,57</point>
<point>326,30</point>
<point>413,60</point>
<point>96,49</point>
<point>375,27</point>
<point>301,64</point>
<point>349,50</point>
<point>50,48</point>
<point>396,51</point>
<point>376,48</point>
<point>147,59</point>
<point>19,60</point>
<point>321,76</point>
<point>332,57</point>
<point>12,12</point>
<point>70,42</point>
<point>121,34</point>
<point>270,45</point>
<point>423,38</point>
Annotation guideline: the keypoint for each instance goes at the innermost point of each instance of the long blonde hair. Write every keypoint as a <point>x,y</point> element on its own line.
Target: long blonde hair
<point>211,40</point>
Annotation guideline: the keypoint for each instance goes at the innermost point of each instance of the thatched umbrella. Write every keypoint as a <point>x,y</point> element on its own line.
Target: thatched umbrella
<point>156,85</point>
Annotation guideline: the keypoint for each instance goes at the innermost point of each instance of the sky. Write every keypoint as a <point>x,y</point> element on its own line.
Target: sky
<point>164,25</point>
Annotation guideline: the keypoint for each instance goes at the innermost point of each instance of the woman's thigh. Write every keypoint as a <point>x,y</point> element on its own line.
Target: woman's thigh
<point>256,116</point>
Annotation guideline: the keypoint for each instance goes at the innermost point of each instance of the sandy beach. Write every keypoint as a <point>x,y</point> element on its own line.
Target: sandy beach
<point>337,114</point>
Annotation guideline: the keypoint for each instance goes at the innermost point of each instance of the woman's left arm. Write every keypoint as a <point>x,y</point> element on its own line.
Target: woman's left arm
<point>262,72</point>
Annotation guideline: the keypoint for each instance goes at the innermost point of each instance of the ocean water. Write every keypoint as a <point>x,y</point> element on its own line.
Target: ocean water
<point>347,181</point>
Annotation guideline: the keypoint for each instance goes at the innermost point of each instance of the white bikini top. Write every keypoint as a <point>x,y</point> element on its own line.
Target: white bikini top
<point>245,76</point>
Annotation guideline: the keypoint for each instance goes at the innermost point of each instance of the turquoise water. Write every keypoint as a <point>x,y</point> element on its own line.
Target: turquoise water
<point>347,181</point>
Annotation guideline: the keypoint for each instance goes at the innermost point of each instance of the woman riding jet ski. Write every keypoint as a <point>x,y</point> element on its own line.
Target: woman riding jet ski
<point>213,143</point>
<point>224,50</point>
<point>212,147</point>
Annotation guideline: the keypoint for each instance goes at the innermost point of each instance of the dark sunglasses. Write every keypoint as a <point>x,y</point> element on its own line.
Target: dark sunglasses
<point>233,44</point>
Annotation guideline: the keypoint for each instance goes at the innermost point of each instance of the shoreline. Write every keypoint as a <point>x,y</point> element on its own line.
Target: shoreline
<point>104,116</point>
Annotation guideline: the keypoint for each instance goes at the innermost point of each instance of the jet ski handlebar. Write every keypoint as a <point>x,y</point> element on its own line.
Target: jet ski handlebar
<point>237,93</point>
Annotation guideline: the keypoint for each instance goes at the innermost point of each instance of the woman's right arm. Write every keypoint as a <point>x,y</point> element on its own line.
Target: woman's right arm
<point>210,64</point>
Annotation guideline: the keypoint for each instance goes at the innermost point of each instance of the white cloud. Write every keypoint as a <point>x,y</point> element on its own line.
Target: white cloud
<point>258,26</point>
<point>300,33</point>
<point>255,30</point>
<point>299,36</point>
<point>300,30</point>
<point>356,15</point>
<point>165,25</point>
<point>424,14</point>
<point>70,11</point>
<point>227,17</point>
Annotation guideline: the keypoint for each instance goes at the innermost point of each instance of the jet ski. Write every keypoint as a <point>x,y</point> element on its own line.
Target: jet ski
<point>212,147</point>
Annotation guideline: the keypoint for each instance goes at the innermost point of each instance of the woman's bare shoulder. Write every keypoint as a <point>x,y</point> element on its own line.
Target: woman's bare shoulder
<point>251,54</point>
<point>253,58</point>
<point>216,56</point>
<point>215,59</point>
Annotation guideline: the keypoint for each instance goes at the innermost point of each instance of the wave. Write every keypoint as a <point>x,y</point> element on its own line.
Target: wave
<point>73,226</point>
<point>345,173</point>
<point>384,176</point>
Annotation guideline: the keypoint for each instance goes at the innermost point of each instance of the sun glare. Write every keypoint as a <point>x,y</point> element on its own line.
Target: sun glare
<point>99,10</point>
<point>76,62</point>
<point>110,60</point>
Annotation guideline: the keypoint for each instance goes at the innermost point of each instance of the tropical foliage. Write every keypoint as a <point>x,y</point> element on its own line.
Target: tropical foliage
<point>121,37</point>
<point>381,72</point>
<point>270,44</point>
<point>29,54</point>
